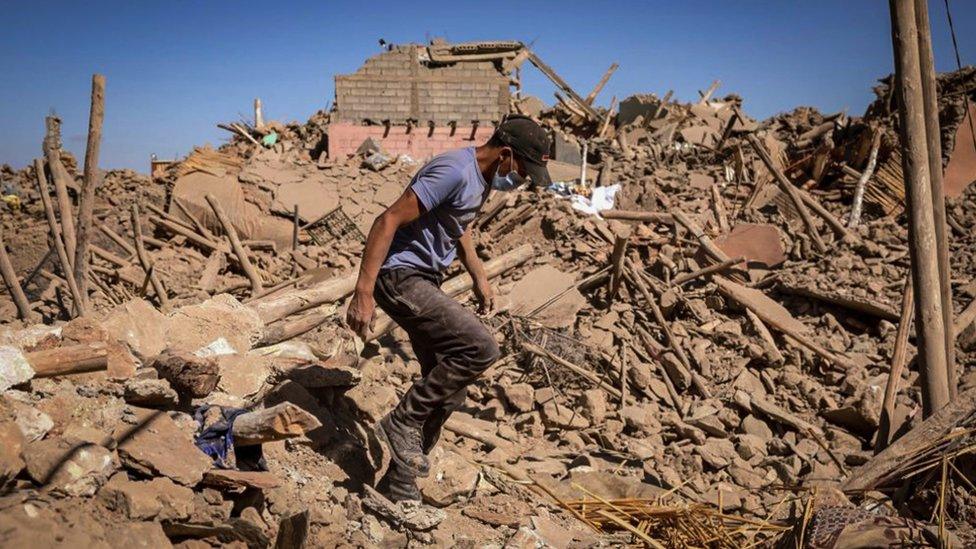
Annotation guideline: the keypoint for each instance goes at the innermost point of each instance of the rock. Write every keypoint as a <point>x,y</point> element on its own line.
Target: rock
<point>11,448</point>
<point>151,393</point>
<point>220,325</point>
<point>749,446</point>
<point>158,498</point>
<point>754,426</point>
<point>242,376</point>
<point>138,325</point>
<point>14,368</point>
<point>373,401</point>
<point>139,534</point>
<point>408,514</point>
<point>705,417</point>
<point>338,371</point>
<point>29,524</point>
<point>235,481</point>
<point>542,285</point>
<point>595,404</point>
<point>188,374</point>
<point>717,453</point>
<point>555,416</point>
<point>69,466</point>
<point>519,396</point>
<point>451,478</point>
<point>33,423</point>
<point>640,419</point>
<point>155,445</point>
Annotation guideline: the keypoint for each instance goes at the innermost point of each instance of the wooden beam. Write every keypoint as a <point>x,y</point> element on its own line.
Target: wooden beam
<point>87,203</point>
<point>239,250</point>
<point>561,84</point>
<point>599,86</point>
<point>279,422</point>
<point>934,138</point>
<point>60,177</point>
<point>144,260</point>
<point>923,235</point>
<point>80,306</point>
<point>13,285</point>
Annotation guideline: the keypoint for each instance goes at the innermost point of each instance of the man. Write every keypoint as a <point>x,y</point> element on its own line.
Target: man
<point>408,248</point>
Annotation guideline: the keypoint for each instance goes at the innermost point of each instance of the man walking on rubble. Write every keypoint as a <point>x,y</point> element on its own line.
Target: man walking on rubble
<point>408,248</point>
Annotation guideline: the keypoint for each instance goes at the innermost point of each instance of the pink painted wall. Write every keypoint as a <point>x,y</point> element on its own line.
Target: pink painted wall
<point>345,138</point>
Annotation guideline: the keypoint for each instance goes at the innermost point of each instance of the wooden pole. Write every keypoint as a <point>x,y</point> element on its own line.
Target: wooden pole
<point>633,215</point>
<point>934,137</point>
<point>87,203</point>
<point>52,152</point>
<point>923,236</point>
<point>296,222</point>
<point>897,365</point>
<point>235,243</point>
<point>13,285</point>
<point>599,85</point>
<point>74,359</point>
<point>52,222</point>
<point>258,114</point>
<point>862,181</point>
<point>143,256</point>
<point>620,239</point>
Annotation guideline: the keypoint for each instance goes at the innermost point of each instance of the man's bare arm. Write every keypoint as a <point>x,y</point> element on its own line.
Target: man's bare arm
<point>472,263</point>
<point>405,210</point>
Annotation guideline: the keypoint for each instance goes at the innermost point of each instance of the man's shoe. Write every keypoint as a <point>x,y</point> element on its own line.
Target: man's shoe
<point>398,485</point>
<point>405,444</point>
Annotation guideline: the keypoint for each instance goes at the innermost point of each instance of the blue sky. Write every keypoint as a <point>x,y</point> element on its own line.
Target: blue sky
<point>175,69</point>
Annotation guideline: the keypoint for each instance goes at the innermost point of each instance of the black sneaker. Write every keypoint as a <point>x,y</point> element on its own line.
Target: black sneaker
<point>398,485</point>
<point>405,444</point>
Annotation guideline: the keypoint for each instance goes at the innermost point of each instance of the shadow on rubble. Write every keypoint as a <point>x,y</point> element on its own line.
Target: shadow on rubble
<point>110,442</point>
<point>344,437</point>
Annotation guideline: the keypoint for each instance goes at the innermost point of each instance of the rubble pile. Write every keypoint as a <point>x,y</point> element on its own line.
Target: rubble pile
<point>710,355</point>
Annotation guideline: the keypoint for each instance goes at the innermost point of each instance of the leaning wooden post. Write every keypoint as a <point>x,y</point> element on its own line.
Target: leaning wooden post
<point>934,138</point>
<point>862,182</point>
<point>621,237</point>
<point>929,318</point>
<point>13,285</point>
<point>52,152</point>
<point>897,365</point>
<point>258,114</point>
<point>143,256</point>
<point>52,222</point>
<point>87,203</point>
<point>235,243</point>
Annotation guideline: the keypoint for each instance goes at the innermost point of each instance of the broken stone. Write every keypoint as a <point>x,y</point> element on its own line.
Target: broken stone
<point>408,514</point>
<point>542,285</point>
<point>451,478</point>
<point>188,374</point>
<point>595,404</point>
<point>155,445</point>
<point>519,396</point>
<point>157,498</point>
<point>138,534</point>
<point>69,466</point>
<point>555,416</point>
<point>11,447</point>
<point>150,393</point>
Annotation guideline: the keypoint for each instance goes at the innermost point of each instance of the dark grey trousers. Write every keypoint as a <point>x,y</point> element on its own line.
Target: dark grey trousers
<point>451,343</point>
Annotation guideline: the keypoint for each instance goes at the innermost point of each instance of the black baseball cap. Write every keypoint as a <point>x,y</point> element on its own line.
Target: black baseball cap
<point>530,142</point>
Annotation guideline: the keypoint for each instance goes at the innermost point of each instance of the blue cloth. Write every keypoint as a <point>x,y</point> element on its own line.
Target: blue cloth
<point>451,190</point>
<point>217,441</point>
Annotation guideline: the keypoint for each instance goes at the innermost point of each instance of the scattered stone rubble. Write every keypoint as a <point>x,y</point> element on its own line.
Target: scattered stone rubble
<point>631,370</point>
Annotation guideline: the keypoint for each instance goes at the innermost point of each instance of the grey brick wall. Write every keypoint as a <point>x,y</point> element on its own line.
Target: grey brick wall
<point>396,86</point>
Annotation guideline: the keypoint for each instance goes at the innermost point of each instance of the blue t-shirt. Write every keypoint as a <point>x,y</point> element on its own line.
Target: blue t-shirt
<point>451,190</point>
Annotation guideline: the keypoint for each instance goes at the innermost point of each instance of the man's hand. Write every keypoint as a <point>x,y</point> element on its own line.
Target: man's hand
<point>359,316</point>
<point>486,296</point>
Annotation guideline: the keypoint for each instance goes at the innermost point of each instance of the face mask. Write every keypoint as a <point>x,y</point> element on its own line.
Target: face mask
<point>509,182</point>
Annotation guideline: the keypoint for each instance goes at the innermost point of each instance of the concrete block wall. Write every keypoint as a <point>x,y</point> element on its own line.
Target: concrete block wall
<point>396,86</point>
<point>420,143</point>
